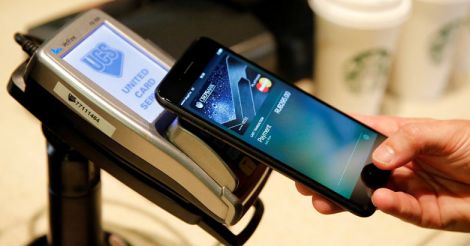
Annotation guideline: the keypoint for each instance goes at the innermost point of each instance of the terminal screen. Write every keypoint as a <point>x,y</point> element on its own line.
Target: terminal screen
<point>119,67</point>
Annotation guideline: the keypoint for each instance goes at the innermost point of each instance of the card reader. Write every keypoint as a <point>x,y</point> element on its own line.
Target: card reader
<point>106,74</point>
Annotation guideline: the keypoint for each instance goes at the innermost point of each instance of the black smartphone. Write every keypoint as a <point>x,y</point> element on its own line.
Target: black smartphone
<point>287,129</point>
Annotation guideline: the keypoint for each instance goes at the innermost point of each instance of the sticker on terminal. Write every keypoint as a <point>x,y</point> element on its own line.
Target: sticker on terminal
<point>84,110</point>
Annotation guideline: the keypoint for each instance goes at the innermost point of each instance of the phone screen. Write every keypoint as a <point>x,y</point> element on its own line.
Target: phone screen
<point>118,66</point>
<point>310,139</point>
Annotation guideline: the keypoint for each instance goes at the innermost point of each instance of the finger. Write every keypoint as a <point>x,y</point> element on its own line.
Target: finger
<point>324,206</point>
<point>303,189</point>
<point>408,142</point>
<point>398,204</point>
<point>321,204</point>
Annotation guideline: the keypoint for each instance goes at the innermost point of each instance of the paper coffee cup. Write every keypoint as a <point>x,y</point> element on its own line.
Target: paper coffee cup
<point>461,66</point>
<point>426,49</point>
<point>354,44</point>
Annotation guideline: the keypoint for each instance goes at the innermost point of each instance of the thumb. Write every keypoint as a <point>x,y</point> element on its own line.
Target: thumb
<point>409,141</point>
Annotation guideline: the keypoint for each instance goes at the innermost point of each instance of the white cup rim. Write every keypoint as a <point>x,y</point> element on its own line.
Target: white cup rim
<point>391,16</point>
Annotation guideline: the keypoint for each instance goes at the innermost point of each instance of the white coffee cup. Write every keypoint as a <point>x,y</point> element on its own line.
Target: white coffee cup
<point>460,75</point>
<point>354,43</point>
<point>426,48</point>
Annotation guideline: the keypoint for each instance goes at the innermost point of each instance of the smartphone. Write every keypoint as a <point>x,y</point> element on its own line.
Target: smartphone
<point>273,121</point>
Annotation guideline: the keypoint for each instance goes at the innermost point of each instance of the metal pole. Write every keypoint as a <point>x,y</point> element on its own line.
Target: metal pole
<point>74,197</point>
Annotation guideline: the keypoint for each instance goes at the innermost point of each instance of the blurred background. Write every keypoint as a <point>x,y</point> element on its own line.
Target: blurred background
<point>406,58</point>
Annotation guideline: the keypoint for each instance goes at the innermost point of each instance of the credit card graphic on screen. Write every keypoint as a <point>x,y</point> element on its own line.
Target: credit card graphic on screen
<point>232,94</point>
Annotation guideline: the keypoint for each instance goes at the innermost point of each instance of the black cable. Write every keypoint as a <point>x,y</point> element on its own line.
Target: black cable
<point>28,43</point>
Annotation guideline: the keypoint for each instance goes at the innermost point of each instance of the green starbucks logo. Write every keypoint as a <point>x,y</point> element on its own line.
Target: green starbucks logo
<point>440,41</point>
<point>367,71</point>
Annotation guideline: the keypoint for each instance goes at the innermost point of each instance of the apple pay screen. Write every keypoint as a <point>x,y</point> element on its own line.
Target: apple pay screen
<point>288,125</point>
<point>119,67</point>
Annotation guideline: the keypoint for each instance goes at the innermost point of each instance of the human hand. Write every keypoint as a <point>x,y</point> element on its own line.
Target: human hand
<point>430,181</point>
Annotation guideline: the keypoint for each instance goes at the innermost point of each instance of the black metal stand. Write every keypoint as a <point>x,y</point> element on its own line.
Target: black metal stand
<point>74,198</point>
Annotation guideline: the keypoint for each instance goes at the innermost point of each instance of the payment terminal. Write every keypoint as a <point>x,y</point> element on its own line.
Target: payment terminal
<point>107,75</point>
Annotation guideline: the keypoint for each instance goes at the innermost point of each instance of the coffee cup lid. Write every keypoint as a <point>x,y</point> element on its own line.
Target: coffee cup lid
<point>363,14</point>
<point>444,2</point>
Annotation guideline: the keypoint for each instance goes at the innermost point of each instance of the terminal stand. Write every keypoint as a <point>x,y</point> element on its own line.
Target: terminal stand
<point>74,196</point>
<point>74,178</point>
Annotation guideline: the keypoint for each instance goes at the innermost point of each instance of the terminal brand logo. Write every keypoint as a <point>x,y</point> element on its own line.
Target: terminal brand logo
<point>105,59</point>
<point>56,50</point>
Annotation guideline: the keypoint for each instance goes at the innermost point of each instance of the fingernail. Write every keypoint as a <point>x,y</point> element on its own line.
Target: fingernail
<point>384,154</point>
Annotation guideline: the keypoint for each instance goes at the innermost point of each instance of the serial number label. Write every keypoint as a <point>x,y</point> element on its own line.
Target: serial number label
<point>83,109</point>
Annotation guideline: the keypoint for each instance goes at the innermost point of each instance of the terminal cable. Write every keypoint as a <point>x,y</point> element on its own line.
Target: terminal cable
<point>28,43</point>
